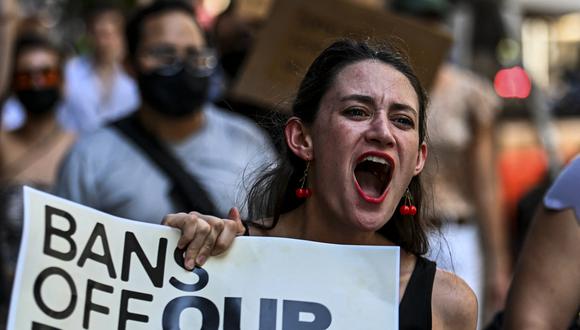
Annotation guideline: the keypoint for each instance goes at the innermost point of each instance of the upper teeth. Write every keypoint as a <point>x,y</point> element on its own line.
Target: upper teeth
<point>376,160</point>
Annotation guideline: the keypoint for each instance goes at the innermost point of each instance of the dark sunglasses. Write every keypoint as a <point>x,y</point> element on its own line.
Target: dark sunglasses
<point>32,79</point>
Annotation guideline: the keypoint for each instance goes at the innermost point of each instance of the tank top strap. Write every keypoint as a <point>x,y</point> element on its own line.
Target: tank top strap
<point>415,307</point>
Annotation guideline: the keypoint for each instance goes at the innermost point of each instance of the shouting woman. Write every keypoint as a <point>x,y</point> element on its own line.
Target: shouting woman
<point>350,174</point>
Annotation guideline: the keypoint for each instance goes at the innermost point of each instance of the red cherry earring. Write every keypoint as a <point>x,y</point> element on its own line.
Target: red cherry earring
<point>304,192</point>
<point>408,208</point>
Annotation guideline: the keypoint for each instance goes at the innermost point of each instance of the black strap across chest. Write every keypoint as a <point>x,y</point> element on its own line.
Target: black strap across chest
<point>186,189</point>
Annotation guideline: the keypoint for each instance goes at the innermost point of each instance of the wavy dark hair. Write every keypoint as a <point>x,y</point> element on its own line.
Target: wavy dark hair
<point>273,193</point>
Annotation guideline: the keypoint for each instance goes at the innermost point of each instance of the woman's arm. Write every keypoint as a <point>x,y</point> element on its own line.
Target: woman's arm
<point>545,292</point>
<point>454,305</point>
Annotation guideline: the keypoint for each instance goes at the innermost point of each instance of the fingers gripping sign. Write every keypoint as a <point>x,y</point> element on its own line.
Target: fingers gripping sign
<point>204,235</point>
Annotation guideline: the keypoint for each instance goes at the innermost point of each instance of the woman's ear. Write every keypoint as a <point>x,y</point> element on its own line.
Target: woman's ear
<point>421,158</point>
<point>298,138</point>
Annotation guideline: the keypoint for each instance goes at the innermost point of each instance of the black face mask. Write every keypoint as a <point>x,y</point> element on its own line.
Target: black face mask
<point>176,94</point>
<point>39,101</point>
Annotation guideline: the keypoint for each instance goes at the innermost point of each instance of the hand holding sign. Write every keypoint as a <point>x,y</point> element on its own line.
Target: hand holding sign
<point>203,235</point>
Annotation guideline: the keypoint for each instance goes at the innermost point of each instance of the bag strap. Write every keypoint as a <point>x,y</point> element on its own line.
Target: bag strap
<point>186,189</point>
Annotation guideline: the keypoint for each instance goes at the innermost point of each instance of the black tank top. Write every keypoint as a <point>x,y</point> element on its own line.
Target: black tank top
<point>415,307</point>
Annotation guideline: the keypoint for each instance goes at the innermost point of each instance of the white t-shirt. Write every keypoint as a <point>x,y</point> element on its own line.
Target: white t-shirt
<point>88,106</point>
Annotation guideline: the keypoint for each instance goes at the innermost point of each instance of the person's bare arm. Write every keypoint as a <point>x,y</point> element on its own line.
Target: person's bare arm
<point>8,25</point>
<point>545,292</point>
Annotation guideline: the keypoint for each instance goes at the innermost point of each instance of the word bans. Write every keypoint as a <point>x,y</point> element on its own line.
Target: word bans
<point>131,246</point>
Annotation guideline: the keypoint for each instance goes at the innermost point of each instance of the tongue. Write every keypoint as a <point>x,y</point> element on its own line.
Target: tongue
<point>369,183</point>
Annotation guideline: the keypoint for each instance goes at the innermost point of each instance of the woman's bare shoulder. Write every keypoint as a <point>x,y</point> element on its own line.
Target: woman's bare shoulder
<point>454,303</point>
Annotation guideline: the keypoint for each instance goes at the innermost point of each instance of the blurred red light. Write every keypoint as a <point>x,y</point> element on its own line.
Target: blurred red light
<point>512,83</point>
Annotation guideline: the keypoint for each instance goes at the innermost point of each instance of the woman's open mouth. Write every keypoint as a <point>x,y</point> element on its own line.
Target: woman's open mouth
<point>372,176</point>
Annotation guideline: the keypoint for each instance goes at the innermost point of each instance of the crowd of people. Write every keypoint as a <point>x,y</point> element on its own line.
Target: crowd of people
<point>364,157</point>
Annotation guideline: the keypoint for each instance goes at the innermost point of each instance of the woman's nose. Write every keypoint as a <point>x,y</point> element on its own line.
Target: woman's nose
<point>379,131</point>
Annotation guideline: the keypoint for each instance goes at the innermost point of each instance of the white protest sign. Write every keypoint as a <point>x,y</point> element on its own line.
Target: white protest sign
<point>83,269</point>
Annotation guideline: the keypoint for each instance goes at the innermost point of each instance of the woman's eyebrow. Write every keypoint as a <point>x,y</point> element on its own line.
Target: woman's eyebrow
<point>404,107</point>
<point>366,99</point>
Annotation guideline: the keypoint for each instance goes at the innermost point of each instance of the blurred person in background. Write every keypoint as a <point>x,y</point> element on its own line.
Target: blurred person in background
<point>98,89</point>
<point>177,151</point>
<point>235,36</point>
<point>461,172</point>
<point>31,154</point>
<point>12,112</point>
<point>545,291</point>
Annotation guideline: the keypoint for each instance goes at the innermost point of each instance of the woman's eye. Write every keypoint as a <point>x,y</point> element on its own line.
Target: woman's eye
<point>404,121</point>
<point>356,113</point>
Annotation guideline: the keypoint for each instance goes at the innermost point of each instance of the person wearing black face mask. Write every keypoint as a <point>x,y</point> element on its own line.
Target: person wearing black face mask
<point>178,87</point>
<point>31,154</point>
<point>33,151</point>
<point>177,152</point>
<point>38,90</point>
